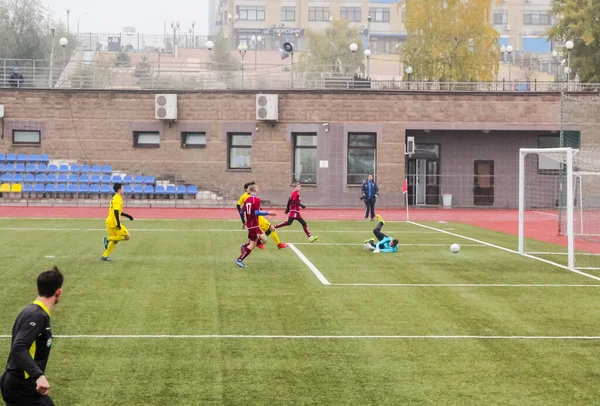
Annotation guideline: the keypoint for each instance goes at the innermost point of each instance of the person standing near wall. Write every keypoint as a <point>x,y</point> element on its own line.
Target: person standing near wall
<point>369,195</point>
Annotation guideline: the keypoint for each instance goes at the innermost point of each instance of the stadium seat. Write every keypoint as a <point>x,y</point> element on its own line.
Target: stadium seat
<point>95,188</point>
<point>105,189</point>
<point>30,177</point>
<point>11,158</point>
<point>84,179</point>
<point>85,169</point>
<point>96,169</point>
<point>27,188</point>
<point>51,178</point>
<point>107,169</point>
<point>16,188</point>
<point>61,188</point>
<point>20,168</point>
<point>138,190</point>
<point>83,188</point>
<point>44,158</point>
<point>2,158</point>
<point>128,189</point>
<point>192,190</point>
<point>52,169</point>
<point>181,190</point>
<point>149,190</point>
<point>149,180</point>
<point>40,178</point>
<point>106,179</point>
<point>72,189</point>
<point>1,168</point>
<point>138,180</point>
<point>7,177</point>
<point>74,169</point>
<point>49,188</point>
<point>17,178</point>
<point>127,179</point>
<point>33,158</point>
<point>171,190</point>
<point>64,169</point>
<point>22,158</point>
<point>159,191</point>
<point>117,179</point>
<point>5,188</point>
<point>73,179</point>
<point>62,178</point>
<point>9,168</point>
<point>31,168</point>
<point>95,178</point>
<point>38,188</point>
<point>42,168</point>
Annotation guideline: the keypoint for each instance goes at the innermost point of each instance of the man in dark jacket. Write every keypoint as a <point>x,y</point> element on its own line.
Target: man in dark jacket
<point>369,191</point>
<point>15,79</point>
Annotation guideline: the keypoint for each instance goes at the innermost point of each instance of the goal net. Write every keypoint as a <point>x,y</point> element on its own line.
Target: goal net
<point>559,206</point>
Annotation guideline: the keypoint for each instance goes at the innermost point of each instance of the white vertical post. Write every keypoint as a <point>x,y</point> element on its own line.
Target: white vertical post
<point>571,242</point>
<point>580,180</point>
<point>522,155</point>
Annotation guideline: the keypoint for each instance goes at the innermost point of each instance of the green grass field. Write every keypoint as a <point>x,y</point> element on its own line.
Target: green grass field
<point>172,321</point>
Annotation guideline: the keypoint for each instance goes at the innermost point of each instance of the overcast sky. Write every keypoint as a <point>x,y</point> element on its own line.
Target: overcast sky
<point>147,16</point>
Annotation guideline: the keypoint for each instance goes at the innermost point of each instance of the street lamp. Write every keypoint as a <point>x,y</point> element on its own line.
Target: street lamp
<point>63,42</point>
<point>353,48</point>
<point>509,50</point>
<point>68,12</point>
<point>175,27</point>
<point>52,31</point>
<point>193,34</point>
<point>257,41</point>
<point>209,45</point>
<point>409,71</point>
<point>242,48</point>
<point>569,45</point>
<point>159,48</point>
<point>368,55</point>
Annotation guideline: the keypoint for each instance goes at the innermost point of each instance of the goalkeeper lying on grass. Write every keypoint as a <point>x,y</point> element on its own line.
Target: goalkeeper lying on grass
<point>384,243</point>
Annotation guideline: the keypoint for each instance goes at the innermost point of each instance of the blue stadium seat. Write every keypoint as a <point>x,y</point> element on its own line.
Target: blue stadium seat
<point>52,168</point>
<point>44,158</point>
<point>62,178</point>
<point>137,189</point>
<point>138,180</point>
<point>181,190</point>
<point>192,190</point>
<point>84,179</point>
<point>148,190</point>
<point>105,189</point>
<point>72,189</point>
<point>1,167</point>
<point>149,180</point>
<point>107,169</point>
<point>83,188</point>
<point>18,178</point>
<point>38,188</point>
<point>128,189</point>
<point>95,179</point>
<point>85,169</point>
<point>106,179</point>
<point>171,190</point>
<point>159,190</point>
<point>64,169</point>
<point>7,178</point>
<point>27,188</point>
<point>127,179</point>
<point>94,188</point>
<point>61,188</point>
<point>9,168</point>
<point>96,169</point>
<point>49,188</point>
<point>31,168</point>
<point>20,168</point>
<point>42,168</point>
<point>33,158</point>
<point>73,179</point>
<point>2,158</point>
<point>117,179</point>
<point>51,178</point>
<point>22,158</point>
<point>11,158</point>
<point>40,177</point>
<point>30,177</point>
<point>74,169</point>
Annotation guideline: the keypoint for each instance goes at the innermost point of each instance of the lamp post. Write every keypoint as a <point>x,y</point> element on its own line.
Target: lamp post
<point>569,45</point>
<point>257,41</point>
<point>159,48</point>
<point>68,27</point>
<point>368,55</point>
<point>63,42</point>
<point>554,60</point>
<point>210,45</point>
<point>353,48</point>
<point>193,34</point>
<point>409,71</point>
<point>509,50</point>
<point>52,31</point>
<point>175,27</point>
<point>242,48</point>
<point>399,59</point>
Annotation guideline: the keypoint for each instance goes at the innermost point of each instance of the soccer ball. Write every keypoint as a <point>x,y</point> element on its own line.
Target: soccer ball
<point>455,248</point>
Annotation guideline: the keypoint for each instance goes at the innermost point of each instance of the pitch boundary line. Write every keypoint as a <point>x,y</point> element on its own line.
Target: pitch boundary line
<point>310,265</point>
<point>192,230</point>
<point>507,250</point>
<point>468,285</point>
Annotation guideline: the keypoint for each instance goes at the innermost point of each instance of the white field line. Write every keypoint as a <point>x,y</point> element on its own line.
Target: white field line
<point>319,337</point>
<point>310,265</point>
<point>508,250</point>
<point>196,230</point>
<point>583,254</point>
<point>400,245</point>
<point>547,214</point>
<point>466,285</point>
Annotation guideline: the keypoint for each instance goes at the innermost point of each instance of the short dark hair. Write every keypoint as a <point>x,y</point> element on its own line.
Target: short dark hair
<point>117,186</point>
<point>49,282</point>
<point>394,242</point>
<point>246,185</point>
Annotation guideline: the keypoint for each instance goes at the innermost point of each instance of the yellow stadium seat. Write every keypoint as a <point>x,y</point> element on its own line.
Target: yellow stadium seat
<point>5,187</point>
<point>16,188</point>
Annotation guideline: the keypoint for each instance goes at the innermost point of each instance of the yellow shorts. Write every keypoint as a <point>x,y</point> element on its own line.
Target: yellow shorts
<point>113,232</point>
<point>263,224</point>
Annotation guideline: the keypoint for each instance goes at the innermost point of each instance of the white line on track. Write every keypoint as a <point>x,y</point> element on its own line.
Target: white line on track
<point>467,285</point>
<point>547,214</point>
<point>310,265</point>
<point>320,337</point>
<point>507,250</point>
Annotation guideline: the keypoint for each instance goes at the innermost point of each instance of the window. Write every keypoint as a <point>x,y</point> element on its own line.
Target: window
<point>318,14</point>
<point>500,17</point>
<point>350,13</point>
<point>546,165</point>
<point>240,149</point>
<point>362,148</point>
<point>536,17</point>
<point>193,140</point>
<point>251,13</point>
<point>146,139</point>
<point>305,158</point>
<point>27,137</point>
<point>380,15</point>
<point>288,13</point>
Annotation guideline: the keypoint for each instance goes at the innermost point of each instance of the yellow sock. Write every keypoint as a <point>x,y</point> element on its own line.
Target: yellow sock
<point>111,246</point>
<point>275,237</point>
<point>116,238</point>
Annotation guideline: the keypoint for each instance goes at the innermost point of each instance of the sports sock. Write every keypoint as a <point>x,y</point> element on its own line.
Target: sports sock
<point>275,237</point>
<point>246,252</point>
<point>306,231</point>
<point>116,238</point>
<point>111,246</point>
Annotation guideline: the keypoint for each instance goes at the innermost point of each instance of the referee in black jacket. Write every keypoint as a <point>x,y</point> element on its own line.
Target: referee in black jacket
<point>23,383</point>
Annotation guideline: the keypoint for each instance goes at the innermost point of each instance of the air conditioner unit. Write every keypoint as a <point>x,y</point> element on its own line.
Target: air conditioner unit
<point>410,145</point>
<point>165,106</point>
<point>1,110</point>
<point>267,107</point>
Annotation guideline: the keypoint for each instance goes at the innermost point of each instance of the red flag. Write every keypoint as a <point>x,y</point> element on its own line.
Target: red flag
<point>404,187</point>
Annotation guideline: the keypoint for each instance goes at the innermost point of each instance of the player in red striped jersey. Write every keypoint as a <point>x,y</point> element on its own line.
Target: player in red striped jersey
<point>293,208</point>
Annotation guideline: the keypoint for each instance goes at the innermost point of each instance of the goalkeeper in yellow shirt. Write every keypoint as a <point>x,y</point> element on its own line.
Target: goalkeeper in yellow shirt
<point>115,230</point>
<point>263,224</point>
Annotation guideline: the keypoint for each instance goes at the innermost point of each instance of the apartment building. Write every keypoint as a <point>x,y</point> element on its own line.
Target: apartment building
<point>266,24</point>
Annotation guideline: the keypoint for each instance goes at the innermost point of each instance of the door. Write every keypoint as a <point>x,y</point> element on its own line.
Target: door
<point>483,184</point>
<point>420,181</point>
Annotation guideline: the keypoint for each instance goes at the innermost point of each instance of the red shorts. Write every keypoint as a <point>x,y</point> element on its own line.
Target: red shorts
<point>294,215</point>
<point>253,233</point>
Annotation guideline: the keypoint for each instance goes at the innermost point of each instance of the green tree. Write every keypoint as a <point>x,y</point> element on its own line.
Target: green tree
<point>450,40</point>
<point>329,52</point>
<point>143,69</point>
<point>22,30</point>
<point>578,22</point>
<point>222,60</point>
<point>122,59</point>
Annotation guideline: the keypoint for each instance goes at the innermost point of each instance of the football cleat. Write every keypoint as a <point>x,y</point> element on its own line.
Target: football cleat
<point>380,219</point>
<point>313,238</point>
<point>107,259</point>
<point>282,245</point>
<point>261,246</point>
<point>240,263</point>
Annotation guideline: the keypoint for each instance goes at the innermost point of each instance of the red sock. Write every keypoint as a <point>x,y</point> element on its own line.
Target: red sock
<point>306,231</point>
<point>246,252</point>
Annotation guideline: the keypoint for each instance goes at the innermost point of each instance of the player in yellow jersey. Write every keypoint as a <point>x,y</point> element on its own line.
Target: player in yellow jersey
<point>115,230</point>
<point>263,224</point>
